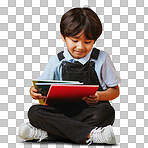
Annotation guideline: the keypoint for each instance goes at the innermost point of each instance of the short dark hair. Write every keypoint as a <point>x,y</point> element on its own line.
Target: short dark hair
<point>78,19</point>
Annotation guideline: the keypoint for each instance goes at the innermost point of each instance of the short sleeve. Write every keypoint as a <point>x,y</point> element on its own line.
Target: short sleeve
<point>109,73</point>
<point>49,71</point>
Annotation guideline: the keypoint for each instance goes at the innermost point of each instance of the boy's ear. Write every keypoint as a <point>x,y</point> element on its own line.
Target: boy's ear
<point>63,38</point>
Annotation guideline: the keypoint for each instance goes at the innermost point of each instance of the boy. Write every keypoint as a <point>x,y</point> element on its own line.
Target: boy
<point>91,118</point>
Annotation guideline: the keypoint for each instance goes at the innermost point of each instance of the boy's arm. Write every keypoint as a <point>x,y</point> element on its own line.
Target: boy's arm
<point>109,94</point>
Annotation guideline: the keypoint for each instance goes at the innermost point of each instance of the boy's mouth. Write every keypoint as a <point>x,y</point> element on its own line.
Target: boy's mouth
<point>79,52</point>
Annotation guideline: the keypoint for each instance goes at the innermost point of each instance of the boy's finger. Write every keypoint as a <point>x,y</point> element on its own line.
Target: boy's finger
<point>93,96</point>
<point>91,100</point>
<point>39,96</point>
<point>35,90</point>
<point>32,90</point>
<point>84,98</point>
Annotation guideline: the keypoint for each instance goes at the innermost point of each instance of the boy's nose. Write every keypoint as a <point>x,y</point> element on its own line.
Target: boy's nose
<point>80,45</point>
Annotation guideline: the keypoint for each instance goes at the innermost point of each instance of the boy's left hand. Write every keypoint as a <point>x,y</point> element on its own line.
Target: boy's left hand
<point>92,99</point>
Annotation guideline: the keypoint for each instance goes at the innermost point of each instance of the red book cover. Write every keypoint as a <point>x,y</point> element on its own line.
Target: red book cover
<point>72,92</point>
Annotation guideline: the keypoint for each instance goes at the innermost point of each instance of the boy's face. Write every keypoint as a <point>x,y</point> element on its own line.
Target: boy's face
<point>78,46</point>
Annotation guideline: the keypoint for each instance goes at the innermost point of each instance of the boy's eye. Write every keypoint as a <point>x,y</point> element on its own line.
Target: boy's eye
<point>75,41</point>
<point>88,42</point>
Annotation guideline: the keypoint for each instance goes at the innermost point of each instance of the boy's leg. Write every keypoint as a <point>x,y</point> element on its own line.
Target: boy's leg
<point>57,124</point>
<point>76,128</point>
<point>99,115</point>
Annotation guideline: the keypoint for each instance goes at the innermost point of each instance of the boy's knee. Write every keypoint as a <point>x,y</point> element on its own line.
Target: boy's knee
<point>104,111</point>
<point>32,112</point>
<point>107,108</point>
<point>108,114</point>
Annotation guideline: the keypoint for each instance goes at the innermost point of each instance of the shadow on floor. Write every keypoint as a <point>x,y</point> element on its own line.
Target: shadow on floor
<point>62,142</point>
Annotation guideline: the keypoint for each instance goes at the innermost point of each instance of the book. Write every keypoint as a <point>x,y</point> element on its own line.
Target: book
<point>43,86</point>
<point>53,81</point>
<point>69,92</point>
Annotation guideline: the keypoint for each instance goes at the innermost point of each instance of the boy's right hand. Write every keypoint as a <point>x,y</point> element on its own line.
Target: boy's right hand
<point>35,95</point>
